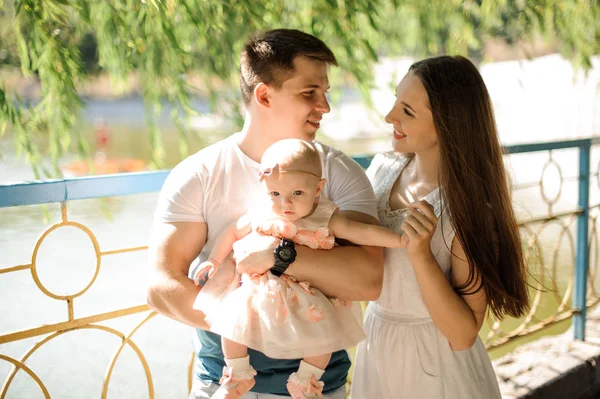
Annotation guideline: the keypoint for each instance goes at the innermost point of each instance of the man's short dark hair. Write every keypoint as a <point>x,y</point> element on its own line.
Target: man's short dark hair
<point>269,58</point>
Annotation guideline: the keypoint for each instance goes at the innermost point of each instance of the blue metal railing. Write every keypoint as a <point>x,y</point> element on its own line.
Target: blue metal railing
<point>42,192</point>
<point>49,191</point>
<point>582,255</point>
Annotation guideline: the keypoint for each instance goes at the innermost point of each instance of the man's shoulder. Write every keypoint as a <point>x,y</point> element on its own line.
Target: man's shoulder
<point>215,150</point>
<point>327,152</point>
<point>336,161</point>
<point>208,157</point>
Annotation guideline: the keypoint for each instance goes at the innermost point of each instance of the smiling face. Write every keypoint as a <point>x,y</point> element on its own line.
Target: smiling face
<point>297,107</point>
<point>414,130</point>
<point>293,195</point>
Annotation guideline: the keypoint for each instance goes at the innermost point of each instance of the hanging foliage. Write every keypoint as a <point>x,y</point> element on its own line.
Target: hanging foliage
<point>164,41</point>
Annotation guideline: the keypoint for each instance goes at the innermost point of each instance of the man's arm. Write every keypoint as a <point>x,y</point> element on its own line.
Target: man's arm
<point>346,272</point>
<point>224,244</point>
<point>172,248</point>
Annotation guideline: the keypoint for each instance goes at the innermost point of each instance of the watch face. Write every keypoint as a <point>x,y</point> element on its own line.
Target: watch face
<point>285,254</point>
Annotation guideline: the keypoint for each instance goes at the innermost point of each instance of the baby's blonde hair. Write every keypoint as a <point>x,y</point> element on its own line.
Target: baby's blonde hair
<point>293,154</point>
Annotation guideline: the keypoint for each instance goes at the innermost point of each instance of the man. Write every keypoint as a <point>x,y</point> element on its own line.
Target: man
<point>284,83</point>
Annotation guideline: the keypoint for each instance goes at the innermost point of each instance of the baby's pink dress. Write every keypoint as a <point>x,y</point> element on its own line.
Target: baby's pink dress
<point>279,316</point>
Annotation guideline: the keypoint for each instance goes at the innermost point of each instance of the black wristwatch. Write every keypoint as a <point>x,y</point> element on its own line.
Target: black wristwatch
<point>285,255</point>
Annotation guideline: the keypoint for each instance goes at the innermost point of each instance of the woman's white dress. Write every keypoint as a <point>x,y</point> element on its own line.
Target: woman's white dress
<point>404,354</point>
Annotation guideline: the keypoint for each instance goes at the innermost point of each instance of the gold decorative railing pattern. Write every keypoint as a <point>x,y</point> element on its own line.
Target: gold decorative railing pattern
<point>73,323</point>
<point>548,267</point>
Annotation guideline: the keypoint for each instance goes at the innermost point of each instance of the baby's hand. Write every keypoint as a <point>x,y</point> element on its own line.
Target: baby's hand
<point>403,240</point>
<point>205,271</point>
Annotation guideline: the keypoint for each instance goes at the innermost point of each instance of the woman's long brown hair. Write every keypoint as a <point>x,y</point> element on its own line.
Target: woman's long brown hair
<point>474,182</point>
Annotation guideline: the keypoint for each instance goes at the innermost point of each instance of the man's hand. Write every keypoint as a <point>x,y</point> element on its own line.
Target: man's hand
<point>205,270</point>
<point>253,254</point>
<point>171,249</point>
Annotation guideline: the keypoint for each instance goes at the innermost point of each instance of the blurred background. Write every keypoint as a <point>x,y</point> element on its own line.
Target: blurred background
<point>127,85</point>
<point>156,80</point>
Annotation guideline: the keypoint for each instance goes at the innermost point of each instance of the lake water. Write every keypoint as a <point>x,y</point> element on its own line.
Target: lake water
<point>538,100</point>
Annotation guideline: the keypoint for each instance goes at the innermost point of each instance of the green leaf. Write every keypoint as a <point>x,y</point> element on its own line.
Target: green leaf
<point>178,49</point>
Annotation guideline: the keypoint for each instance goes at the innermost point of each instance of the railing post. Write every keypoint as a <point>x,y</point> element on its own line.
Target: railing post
<point>582,257</point>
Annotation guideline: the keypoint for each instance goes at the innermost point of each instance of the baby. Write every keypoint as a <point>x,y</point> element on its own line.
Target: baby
<point>274,313</point>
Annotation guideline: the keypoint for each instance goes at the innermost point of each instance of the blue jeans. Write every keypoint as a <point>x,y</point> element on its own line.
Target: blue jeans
<point>205,389</point>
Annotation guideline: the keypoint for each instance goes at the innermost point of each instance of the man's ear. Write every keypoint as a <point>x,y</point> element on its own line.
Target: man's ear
<point>321,186</point>
<point>261,95</point>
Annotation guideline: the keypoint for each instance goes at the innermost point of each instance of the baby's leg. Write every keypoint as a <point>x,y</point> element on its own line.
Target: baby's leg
<point>305,382</point>
<point>233,350</point>
<point>320,361</point>
<point>238,375</point>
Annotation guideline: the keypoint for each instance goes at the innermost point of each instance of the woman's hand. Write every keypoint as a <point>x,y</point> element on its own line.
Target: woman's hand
<point>418,228</point>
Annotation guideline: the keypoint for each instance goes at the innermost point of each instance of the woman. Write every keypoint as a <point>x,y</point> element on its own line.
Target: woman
<point>445,187</point>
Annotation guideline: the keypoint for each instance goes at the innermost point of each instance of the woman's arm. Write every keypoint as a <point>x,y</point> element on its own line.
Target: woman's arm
<point>364,234</point>
<point>459,318</point>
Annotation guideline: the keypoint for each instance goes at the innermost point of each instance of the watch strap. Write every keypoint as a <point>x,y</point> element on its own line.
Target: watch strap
<point>279,268</point>
<point>280,265</point>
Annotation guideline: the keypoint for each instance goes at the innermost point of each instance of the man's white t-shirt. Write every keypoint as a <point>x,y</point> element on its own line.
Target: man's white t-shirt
<point>218,185</point>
